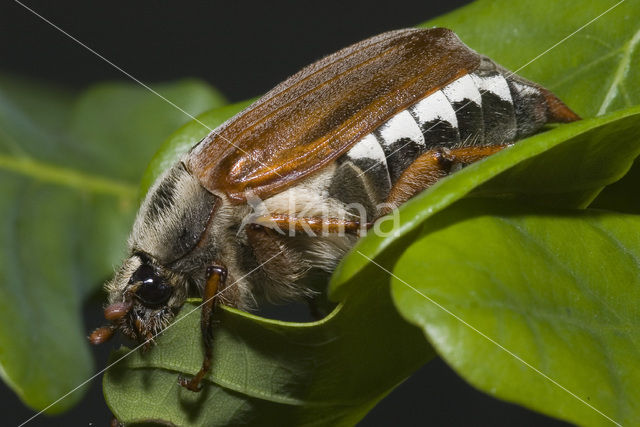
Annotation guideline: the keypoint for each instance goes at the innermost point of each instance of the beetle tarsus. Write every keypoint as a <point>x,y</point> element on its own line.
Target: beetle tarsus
<point>192,384</point>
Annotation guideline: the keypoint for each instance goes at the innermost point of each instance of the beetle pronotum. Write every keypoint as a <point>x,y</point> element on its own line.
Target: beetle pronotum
<point>369,126</point>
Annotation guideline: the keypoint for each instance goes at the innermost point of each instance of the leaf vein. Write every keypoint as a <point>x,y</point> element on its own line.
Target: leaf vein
<point>621,73</point>
<point>66,177</point>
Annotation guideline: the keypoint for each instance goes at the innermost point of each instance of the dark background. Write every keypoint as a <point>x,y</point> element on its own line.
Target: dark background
<point>242,48</point>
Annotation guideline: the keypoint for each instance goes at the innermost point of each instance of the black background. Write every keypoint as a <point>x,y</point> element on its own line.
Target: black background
<point>243,48</point>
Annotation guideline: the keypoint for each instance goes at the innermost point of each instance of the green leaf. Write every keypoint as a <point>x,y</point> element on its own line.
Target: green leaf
<point>69,168</point>
<point>559,289</point>
<point>324,373</point>
<point>565,167</point>
<point>595,71</point>
<point>131,116</point>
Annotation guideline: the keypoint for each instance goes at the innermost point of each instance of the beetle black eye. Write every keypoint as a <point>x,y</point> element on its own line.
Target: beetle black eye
<point>153,290</point>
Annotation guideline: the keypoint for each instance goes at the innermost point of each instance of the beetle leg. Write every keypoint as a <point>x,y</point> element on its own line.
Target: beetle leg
<point>215,279</point>
<point>432,166</point>
<point>317,225</point>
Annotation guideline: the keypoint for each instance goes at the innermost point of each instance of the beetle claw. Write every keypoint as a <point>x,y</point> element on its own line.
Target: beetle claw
<point>190,384</point>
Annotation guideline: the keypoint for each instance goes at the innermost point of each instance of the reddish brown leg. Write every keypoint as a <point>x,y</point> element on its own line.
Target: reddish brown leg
<point>216,277</point>
<point>432,166</point>
<point>303,224</point>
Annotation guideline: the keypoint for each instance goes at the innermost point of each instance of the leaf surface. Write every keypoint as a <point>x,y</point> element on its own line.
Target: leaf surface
<point>324,373</point>
<point>491,281</point>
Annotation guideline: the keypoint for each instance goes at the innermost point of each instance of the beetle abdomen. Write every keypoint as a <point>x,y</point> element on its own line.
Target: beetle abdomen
<point>487,107</point>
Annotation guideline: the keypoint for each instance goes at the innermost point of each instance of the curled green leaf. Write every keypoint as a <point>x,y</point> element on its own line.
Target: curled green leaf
<point>329,372</point>
<point>533,305</point>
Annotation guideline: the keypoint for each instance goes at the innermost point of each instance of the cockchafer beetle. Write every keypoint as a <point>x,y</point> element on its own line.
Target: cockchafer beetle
<point>369,127</point>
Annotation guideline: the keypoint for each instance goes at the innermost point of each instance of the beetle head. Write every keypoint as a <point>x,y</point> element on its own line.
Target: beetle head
<point>143,299</point>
